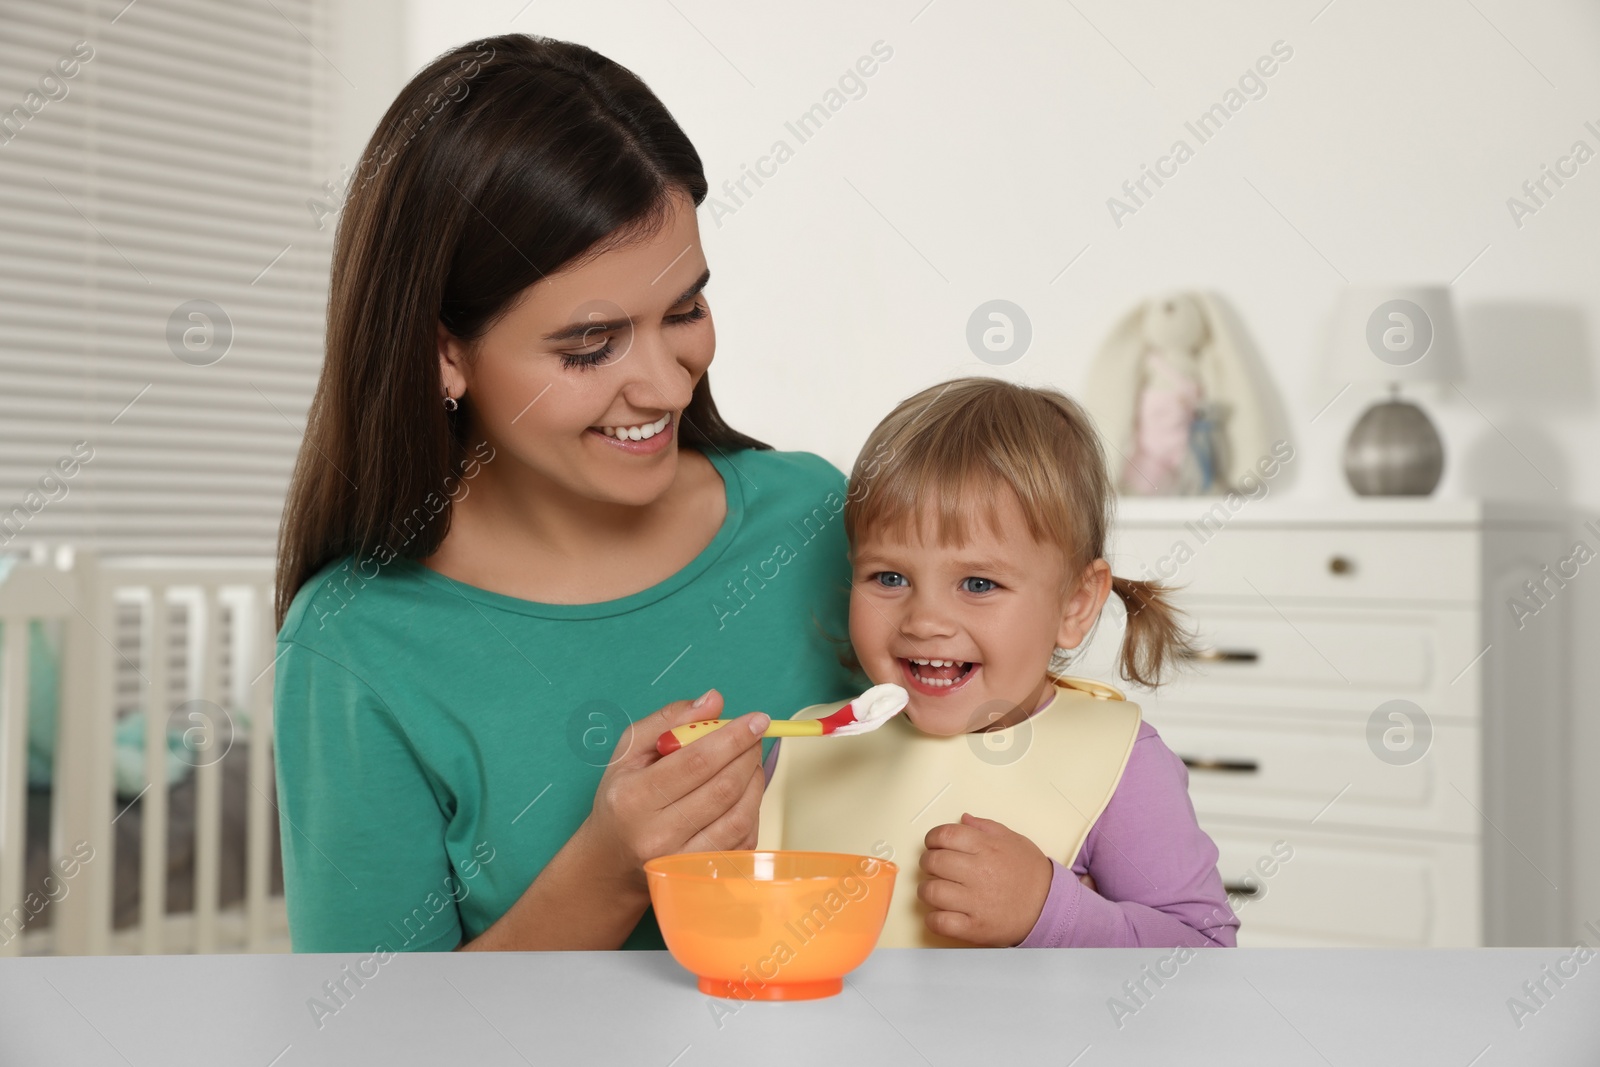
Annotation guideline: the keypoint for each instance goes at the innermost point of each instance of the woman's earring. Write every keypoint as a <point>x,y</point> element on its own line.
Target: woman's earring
<point>450,402</point>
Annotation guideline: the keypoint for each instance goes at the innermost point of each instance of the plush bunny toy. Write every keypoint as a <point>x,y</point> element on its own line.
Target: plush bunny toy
<point>1171,443</point>
<point>1174,401</point>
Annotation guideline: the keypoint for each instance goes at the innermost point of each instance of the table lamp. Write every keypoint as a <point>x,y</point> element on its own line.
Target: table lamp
<point>1393,335</point>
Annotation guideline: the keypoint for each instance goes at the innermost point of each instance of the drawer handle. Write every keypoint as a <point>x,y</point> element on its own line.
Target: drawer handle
<point>1240,889</point>
<point>1223,655</point>
<point>1341,565</point>
<point>1228,766</point>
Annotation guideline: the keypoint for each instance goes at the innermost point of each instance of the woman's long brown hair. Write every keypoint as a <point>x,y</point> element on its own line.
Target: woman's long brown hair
<point>501,162</point>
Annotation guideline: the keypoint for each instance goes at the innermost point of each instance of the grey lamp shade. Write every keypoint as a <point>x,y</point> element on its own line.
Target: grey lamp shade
<point>1395,333</point>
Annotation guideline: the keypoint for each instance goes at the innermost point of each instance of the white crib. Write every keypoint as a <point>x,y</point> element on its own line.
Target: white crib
<point>186,638</point>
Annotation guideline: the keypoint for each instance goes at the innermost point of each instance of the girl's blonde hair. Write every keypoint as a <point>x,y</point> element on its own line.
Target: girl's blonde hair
<point>954,446</point>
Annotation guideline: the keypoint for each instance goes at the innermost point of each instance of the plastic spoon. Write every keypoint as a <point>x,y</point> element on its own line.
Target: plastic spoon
<point>866,712</point>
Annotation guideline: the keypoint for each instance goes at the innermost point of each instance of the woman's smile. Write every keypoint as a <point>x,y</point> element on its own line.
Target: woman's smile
<point>641,439</point>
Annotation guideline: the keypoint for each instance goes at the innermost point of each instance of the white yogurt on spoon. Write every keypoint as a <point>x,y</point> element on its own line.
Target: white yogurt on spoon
<point>874,708</point>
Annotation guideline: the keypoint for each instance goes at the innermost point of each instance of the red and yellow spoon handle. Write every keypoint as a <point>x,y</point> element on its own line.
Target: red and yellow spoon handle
<point>866,712</point>
<point>679,736</point>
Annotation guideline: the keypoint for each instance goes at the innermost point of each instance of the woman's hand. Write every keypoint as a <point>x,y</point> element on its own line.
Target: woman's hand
<point>704,797</point>
<point>985,883</point>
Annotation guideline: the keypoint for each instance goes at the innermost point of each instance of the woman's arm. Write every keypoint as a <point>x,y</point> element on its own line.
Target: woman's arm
<point>363,825</point>
<point>703,797</point>
<point>1154,869</point>
<point>579,901</point>
<point>360,819</point>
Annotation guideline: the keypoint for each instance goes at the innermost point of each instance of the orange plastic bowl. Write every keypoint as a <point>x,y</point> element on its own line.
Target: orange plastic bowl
<point>770,925</point>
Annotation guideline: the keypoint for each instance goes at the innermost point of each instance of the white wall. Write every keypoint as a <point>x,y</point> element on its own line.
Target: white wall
<point>979,162</point>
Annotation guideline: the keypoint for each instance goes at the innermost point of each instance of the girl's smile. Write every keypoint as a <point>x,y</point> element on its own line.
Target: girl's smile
<point>937,677</point>
<point>967,629</point>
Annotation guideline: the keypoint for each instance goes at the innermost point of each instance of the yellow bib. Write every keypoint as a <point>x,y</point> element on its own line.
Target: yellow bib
<point>1048,778</point>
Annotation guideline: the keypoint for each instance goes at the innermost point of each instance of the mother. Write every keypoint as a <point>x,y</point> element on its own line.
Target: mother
<point>518,523</point>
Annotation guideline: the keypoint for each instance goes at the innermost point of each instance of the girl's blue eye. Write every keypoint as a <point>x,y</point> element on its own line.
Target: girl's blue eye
<point>603,353</point>
<point>884,578</point>
<point>991,584</point>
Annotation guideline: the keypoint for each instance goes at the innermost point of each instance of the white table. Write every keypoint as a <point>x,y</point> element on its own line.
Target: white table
<point>1024,1007</point>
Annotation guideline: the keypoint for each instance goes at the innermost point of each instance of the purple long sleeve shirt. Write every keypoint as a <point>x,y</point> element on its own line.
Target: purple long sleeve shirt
<point>1155,870</point>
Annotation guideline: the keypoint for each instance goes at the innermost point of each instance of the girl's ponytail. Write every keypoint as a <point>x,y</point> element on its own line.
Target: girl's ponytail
<point>1155,634</point>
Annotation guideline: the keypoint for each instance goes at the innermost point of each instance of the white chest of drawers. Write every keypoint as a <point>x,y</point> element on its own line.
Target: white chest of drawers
<point>1438,821</point>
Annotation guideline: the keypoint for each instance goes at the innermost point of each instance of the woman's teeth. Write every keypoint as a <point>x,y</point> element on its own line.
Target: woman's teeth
<point>637,433</point>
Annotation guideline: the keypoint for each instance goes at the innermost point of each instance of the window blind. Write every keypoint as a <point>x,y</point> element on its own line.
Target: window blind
<point>163,283</point>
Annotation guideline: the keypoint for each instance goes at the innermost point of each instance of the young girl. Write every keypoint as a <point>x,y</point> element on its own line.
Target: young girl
<point>1023,807</point>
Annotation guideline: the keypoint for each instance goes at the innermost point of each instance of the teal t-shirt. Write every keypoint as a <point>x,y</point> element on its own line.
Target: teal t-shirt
<point>437,743</point>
